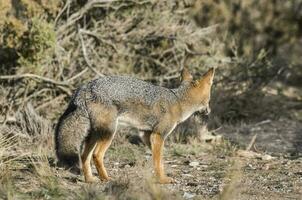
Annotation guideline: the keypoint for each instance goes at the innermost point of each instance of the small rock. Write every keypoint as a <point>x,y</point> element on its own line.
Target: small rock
<point>177,181</point>
<point>188,175</point>
<point>194,164</point>
<point>174,166</point>
<point>251,166</point>
<point>266,167</point>
<point>189,195</point>
<point>148,152</point>
<point>267,157</point>
<point>248,154</point>
<point>251,154</point>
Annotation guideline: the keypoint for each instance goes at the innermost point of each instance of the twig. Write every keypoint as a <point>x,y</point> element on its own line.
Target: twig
<point>35,94</point>
<point>171,77</point>
<point>78,15</point>
<point>263,122</point>
<point>252,142</point>
<point>86,57</point>
<point>77,75</point>
<point>95,35</point>
<point>175,57</point>
<point>42,78</point>
<point>62,11</point>
<point>50,102</point>
<point>33,76</point>
<point>65,89</point>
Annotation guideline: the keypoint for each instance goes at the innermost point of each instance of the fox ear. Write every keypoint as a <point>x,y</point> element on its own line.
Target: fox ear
<point>206,78</point>
<point>209,75</point>
<point>186,75</point>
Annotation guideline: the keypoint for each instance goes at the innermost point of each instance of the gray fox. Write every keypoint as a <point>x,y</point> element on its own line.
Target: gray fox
<point>87,127</point>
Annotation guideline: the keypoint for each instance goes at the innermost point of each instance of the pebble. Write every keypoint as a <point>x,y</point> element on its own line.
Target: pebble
<point>188,175</point>
<point>188,195</point>
<point>267,157</point>
<point>194,164</point>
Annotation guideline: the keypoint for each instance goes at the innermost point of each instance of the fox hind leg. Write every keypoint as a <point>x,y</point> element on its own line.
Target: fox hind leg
<point>104,121</point>
<point>89,147</point>
<point>145,137</point>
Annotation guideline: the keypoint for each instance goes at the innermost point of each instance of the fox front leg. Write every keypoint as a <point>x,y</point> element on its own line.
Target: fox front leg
<point>157,144</point>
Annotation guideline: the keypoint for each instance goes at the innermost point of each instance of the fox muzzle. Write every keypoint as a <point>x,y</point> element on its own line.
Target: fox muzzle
<point>204,111</point>
<point>207,111</point>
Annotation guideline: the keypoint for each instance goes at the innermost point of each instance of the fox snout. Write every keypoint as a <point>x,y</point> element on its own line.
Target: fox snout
<point>207,110</point>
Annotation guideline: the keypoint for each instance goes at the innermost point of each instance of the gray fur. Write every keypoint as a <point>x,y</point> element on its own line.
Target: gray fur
<point>117,89</point>
<point>71,127</point>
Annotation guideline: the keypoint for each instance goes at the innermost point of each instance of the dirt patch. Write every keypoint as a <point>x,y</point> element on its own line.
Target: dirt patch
<point>280,137</point>
<point>201,171</point>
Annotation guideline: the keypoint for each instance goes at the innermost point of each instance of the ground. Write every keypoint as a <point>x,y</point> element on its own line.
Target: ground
<point>200,170</point>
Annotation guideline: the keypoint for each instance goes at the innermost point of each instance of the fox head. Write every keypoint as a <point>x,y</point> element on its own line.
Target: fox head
<point>198,92</point>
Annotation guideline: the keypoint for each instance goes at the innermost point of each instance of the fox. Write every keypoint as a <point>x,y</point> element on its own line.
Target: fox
<point>86,129</point>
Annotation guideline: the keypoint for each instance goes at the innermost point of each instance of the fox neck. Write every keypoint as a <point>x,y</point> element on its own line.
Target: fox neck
<point>192,99</point>
<point>194,95</point>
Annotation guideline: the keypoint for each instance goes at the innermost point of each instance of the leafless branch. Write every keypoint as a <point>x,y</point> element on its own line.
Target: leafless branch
<point>62,11</point>
<point>89,64</point>
<point>33,76</point>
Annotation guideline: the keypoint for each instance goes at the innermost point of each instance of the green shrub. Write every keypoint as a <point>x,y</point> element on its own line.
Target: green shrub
<point>38,44</point>
<point>25,27</point>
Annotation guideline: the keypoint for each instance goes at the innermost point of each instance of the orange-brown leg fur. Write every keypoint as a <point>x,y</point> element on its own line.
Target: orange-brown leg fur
<point>98,157</point>
<point>86,159</point>
<point>157,144</point>
<point>103,123</point>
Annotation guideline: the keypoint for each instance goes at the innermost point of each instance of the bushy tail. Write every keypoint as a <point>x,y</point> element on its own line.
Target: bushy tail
<point>70,132</point>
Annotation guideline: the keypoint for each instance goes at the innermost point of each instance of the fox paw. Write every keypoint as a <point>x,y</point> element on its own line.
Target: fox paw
<point>166,180</point>
<point>107,178</point>
<point>91,179</point>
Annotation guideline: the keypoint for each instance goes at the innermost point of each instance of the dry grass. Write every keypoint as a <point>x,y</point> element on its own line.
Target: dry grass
<point>219,174</point>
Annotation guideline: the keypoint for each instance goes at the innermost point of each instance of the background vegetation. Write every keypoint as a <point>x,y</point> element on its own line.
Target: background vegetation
<point>48,48</point>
